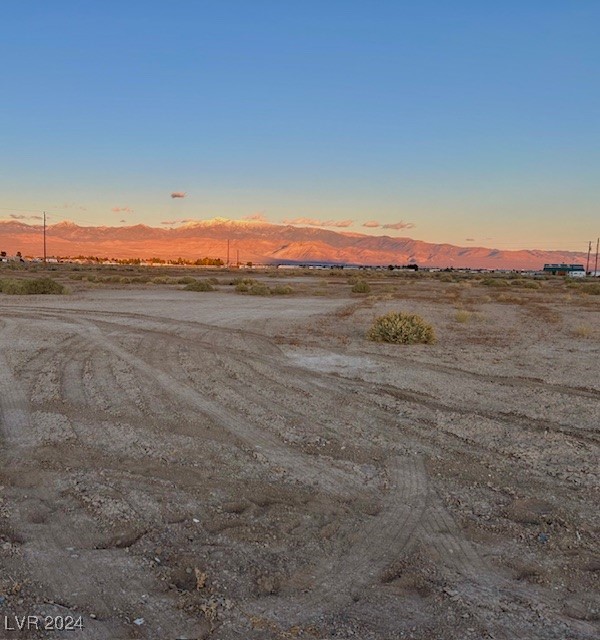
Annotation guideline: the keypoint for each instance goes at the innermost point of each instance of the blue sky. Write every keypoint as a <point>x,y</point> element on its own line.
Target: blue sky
<point>475,122</point>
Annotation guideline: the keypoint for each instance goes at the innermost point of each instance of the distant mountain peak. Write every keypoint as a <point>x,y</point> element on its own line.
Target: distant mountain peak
<point>259,241</point>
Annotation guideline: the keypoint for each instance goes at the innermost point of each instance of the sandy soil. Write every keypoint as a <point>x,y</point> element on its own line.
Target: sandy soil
<point>228,466</point>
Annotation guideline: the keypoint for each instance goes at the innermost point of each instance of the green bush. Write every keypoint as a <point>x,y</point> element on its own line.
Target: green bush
<point>361,286</point>
<point>281,290</point>
<point>199,285</point>
<point>402,328</point>
<point>31,287</point>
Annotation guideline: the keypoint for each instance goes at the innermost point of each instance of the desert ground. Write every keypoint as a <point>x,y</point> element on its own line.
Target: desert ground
<point>180,464</point>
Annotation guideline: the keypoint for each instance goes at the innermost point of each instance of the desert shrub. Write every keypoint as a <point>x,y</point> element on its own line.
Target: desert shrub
<point>592,289</point>
<point>582,331</point>
<point>259,289</point>
<point>462,316</point>
<point>494,282</point>
<point>525,284</point>
<point>186,280</point>
<point>199,285</point>
<point>447,278</point>
<point>281,290</point>
<point>159,280</point>
<point>125,280</point>
<point>402,328</point>
<point>531,284</point>
<point>32,287</point>
<point>361,286</point>
<point>242,284</point>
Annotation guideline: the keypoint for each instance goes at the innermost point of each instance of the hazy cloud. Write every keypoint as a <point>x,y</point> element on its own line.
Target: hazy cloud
<point>178,194</point>
<point>180,221</point>
<point>16,216</point>
<point>312,222</point>
<point>371,224</point>
<point>257,217</point>
<point>70,205</point>
<point>399,225</point>
<point>122,209</point>
<point>469,239</point>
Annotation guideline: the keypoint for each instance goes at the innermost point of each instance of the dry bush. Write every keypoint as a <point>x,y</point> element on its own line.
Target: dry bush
<point>281,290</point>
<point>526,284</point>
<point>31,287</point>
<point>582,331</point>
<point>402,328</point>
<point>592,289</point>
<point>462,316</point>
<point>199,285</point>
<point>494,282</point>
<point>361,286</point>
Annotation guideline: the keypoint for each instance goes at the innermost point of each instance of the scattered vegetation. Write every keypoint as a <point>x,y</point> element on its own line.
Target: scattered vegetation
<point>253,287</point>
<point>361,286</point>
<point>199,285</point>
<point>526,284</point>
<point>592,289</point>
<point>582,331</point>
<point>462,316</point>
<point>494,282</point>
<point>402,328</point>
<point>31,287</point>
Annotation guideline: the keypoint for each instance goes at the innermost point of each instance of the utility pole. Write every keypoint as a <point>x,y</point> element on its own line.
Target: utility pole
<point>228,253</point>
<point>44,237</point>
<point>587,266</point>
<point>238,257</point>
<point>596,267</point>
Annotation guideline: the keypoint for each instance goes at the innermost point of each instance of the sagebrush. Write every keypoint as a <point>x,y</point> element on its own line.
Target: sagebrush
<point>31,287</point>
<point>402,328</point>
<point>199,285</point>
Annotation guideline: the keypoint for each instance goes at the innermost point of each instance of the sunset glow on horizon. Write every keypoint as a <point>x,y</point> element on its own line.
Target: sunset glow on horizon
<point>461,123</point>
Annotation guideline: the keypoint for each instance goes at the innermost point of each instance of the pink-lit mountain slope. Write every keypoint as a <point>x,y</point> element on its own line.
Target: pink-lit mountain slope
<point>262,242</point>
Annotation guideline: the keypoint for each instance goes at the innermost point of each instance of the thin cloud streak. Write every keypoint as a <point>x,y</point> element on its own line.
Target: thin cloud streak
<point>180,221</point>
<point>313,222</point>
<point>399,225</point>
<point>256,217</point>
<point>16,216</point>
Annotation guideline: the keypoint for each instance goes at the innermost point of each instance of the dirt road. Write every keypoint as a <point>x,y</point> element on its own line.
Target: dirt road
<point>179,465</point>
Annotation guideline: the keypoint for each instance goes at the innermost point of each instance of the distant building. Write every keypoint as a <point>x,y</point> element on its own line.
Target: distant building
<point>563,269</point>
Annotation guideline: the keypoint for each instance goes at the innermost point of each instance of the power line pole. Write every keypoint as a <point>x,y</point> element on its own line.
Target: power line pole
<point>587,266</point>
<point>228,253</point>
<point>596,267</point>
<point>44,237</point>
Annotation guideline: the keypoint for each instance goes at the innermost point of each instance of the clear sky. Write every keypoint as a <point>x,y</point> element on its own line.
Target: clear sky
<point>476,122</point>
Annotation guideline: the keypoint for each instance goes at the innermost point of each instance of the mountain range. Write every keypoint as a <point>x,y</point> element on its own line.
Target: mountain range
<point>262,242</point>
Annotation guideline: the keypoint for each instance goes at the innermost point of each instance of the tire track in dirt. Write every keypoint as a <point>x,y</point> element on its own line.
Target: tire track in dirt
<point>14,409</point>
<point>300,467</point>
<point>507,381</point>
<point>376,544</point>
<point>68,576</point>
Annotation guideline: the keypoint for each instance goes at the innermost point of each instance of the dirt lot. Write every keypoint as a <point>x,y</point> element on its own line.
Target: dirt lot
<point>218,465</point>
